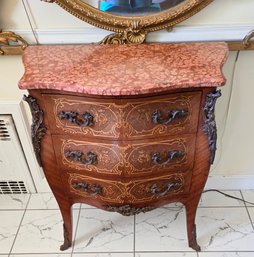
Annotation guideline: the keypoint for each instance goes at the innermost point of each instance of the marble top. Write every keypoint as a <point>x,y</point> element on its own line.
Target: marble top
<point>123,69</point>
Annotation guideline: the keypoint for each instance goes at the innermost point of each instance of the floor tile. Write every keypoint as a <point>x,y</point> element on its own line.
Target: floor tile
<point>173,205</point>
<point>158,254</point>
<point>226,254</point>
<point>10,221</point>
<point>100,231</point>
<point>248,195</point>
<point>224,229</point>
<point>162,230</point>
<point>40,255</point>
<point>215,199</point>
<point>41,231</point>
<point>15,202</point>
<point>86,206</point>
<point>43,201</point>
<point>103,255</point>
<point>251,212</point>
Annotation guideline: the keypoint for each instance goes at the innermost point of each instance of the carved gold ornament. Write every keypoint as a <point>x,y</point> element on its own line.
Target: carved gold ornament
<point>131,29</point>
<point>8,37</point>
<point>247,39</point>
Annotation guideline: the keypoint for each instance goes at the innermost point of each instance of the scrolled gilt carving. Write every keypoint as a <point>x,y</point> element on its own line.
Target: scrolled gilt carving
<point>210,128</point>
<point>6,37</point>
<point>132,35</point>
<point>114,39</point>
<point>131,29</point>
<point>128,210</point>
<point>129,36</point>
<point>38,130</point>
<point>247,39</point>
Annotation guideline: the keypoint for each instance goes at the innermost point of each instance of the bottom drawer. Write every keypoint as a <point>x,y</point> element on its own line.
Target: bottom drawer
<point>127,192</point>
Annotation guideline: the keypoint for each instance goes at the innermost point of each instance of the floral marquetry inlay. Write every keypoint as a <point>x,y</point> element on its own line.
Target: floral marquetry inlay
<point>135,191</point>
<point>127,159</point>
<point>128,119</point>
<point>109,160</point>
<point>130,128</point>
<point>105,117</point>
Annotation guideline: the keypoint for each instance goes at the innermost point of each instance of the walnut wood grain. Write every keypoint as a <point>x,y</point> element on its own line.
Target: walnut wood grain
<point>53,175</point>
<point>125,119</point>
<point>140,188</point>
<point>126,191</point>
<point>130,188</point>
<point>127,128</point>
<point>126,158</point>
<point>199,177</point>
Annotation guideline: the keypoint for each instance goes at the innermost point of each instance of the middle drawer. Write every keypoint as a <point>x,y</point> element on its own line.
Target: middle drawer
<point>125,158</point>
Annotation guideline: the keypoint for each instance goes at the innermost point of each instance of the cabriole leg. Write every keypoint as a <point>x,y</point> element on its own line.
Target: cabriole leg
<point>67,227</point>
<point>191,226</point>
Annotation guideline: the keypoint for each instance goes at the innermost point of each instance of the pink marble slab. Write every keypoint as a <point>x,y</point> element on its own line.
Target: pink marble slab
<point>123,69</point>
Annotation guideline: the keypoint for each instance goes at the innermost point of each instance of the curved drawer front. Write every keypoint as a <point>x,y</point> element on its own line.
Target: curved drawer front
<point>129,192</point>
<point>128,158</point>
<point>77,116</point>
<point>152,158</point>
<point>175,114</point>
<point>88,157</point>
<point>146,117</point>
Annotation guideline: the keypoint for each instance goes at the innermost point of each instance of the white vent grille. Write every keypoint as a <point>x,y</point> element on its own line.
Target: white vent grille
<point>14,173</point>
<point>12,187</point>
<point>4,133</point>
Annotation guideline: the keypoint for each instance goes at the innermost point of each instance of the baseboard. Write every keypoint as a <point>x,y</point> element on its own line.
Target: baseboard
<point>179,33</point>
<point>235,182</point>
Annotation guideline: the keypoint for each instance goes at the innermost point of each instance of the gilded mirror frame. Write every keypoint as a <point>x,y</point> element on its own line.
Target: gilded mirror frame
<point>131,29</point>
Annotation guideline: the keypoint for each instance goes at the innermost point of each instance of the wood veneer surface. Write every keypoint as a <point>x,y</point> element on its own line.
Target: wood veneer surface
<point>135,81</point>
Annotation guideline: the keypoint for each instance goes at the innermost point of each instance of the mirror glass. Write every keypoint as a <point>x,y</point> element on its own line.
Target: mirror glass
<point>133,7</point>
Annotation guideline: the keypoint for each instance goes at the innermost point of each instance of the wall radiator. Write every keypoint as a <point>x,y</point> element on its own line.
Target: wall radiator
<point>13,164</point>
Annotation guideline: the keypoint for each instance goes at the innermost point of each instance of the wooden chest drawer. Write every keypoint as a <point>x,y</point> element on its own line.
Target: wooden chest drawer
<point>125,118</point>
<point>127,158</point>
<point>128,192</point>
<point>135,134</point>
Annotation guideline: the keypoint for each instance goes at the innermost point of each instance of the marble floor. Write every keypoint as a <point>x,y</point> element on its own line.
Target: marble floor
<point>31,226</point>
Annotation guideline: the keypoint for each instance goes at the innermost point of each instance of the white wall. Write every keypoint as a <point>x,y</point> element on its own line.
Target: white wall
<point>236,155</point>
<point>50,16</point>
<point>11,69</point>
<point>221,20</point>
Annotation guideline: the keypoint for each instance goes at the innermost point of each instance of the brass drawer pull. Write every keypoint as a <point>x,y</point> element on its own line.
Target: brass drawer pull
<point>92,190</point>
<point>79,156</point>
<point>82,120</point>
<point>162,192</point>
<point>172,115</point>
<point>156,158</point>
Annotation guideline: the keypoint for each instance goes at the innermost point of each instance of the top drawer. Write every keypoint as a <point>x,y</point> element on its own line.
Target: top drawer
<point>123,118</point>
